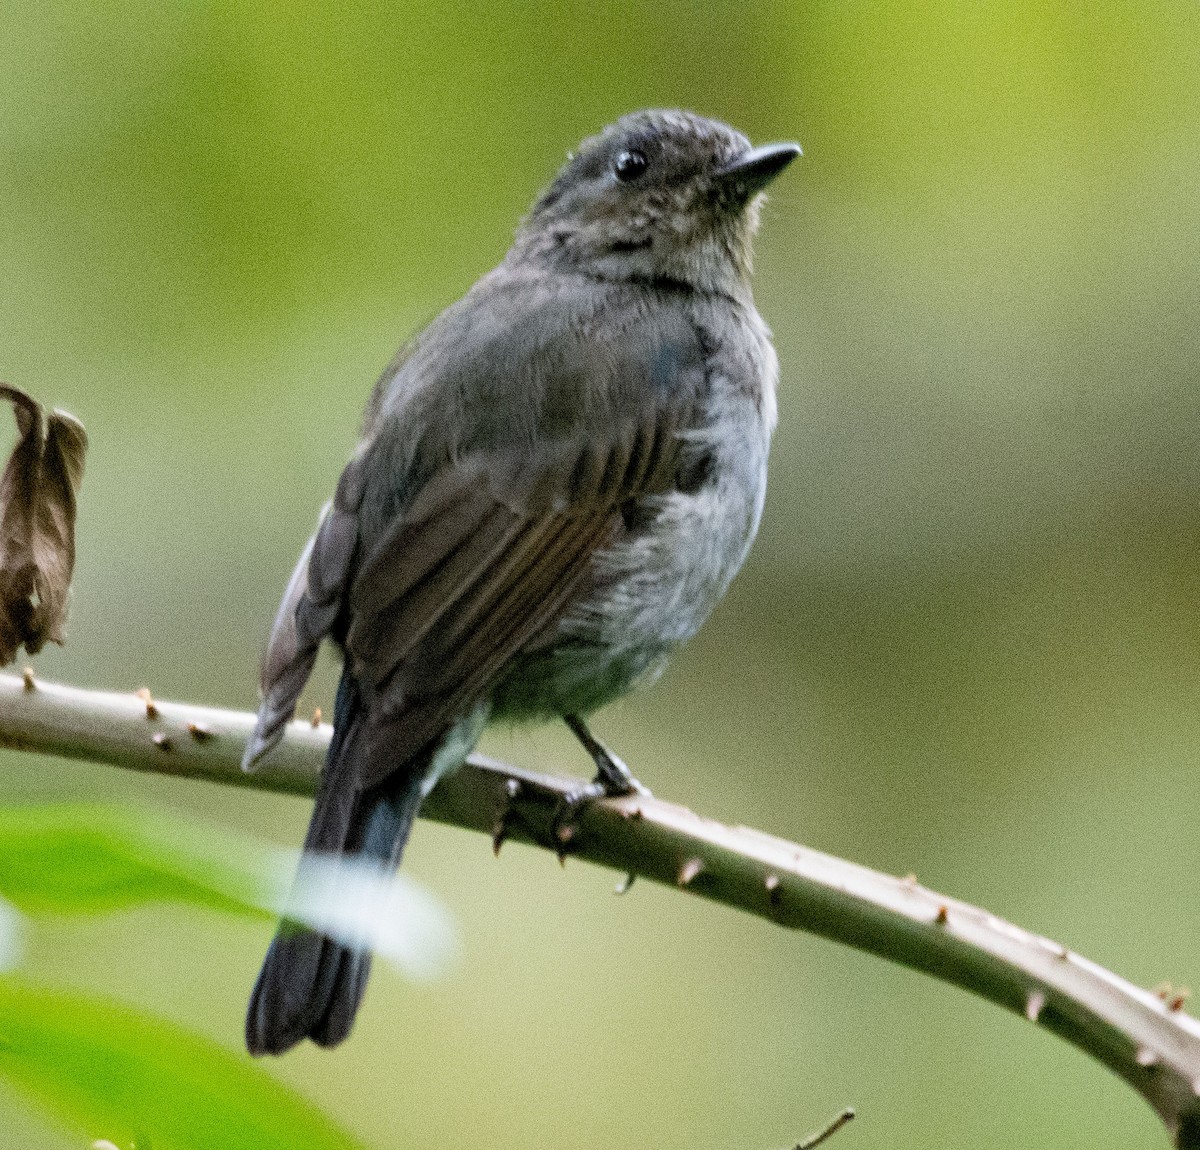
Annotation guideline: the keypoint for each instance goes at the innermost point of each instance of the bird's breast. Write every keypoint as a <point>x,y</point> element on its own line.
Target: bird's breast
<point>652,589</point>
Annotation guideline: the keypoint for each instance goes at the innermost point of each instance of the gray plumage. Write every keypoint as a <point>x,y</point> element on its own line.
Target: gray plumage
<point>555,484</point>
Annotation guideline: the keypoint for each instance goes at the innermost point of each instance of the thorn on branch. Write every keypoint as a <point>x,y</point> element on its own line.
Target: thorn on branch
<point>500,832</point>
<point>28,680</point>
<point>565,835</point>
<point>151,708</point>
<point>200,732</point>
<point>943,916</point>
<point>512,789</point>
<point>1034,1005</point>
<point>1173,997</point>
<point>1145,1057</point>
<point>623,886</point>
<point>315,721</point>
<point>689,872</point>
<point>163,742</point>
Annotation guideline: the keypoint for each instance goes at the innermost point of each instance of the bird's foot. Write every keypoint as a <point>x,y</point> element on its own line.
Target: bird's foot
<point>613,777</point>
<point>613,780</point>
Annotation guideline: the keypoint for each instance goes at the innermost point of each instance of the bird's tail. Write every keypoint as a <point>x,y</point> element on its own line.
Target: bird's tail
<point>310,986</point>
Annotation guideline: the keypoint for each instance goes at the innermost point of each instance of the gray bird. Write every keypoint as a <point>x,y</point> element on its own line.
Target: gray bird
<point>556,481</point>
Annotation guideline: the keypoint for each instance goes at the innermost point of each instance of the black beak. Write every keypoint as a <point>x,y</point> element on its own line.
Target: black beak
<point>754,170</point>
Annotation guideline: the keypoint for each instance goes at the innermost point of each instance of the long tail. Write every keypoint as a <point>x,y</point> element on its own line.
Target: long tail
<point>309,985</point>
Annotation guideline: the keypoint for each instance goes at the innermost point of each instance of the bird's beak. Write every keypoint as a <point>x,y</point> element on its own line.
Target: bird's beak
<point>754,170</point>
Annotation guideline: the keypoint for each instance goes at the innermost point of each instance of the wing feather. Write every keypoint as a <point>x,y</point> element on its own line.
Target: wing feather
<point>456,543</point>
<point>528,603</point>
<point>480,568</point>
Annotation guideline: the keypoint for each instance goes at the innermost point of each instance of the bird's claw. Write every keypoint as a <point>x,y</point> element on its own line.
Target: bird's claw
<point>613,780</point>
<point>613,777</point>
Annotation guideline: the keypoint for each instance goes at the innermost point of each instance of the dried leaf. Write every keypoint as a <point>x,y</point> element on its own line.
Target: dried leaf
<point>37,525</point>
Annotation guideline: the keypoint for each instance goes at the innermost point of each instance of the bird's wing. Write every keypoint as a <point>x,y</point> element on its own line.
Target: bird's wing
<point>485,559</point>
<point>499,456</point>
<point>310,607</point>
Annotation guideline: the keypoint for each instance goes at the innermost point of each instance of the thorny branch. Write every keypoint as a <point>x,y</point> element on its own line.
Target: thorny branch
<point>815,1140</point>
<point>1143,1036</point>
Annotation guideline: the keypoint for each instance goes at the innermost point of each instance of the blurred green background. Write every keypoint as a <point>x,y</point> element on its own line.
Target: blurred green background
<point>966,644</point>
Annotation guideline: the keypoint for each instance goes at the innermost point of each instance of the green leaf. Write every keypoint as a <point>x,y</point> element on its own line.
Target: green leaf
<point>73,858</point>
<point>111,1072</point>
<point>88,858</point>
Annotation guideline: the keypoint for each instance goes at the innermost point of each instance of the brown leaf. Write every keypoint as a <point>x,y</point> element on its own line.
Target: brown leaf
<point>37,525</point>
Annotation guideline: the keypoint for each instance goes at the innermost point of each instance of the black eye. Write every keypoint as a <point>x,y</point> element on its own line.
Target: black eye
<point>629,166</point>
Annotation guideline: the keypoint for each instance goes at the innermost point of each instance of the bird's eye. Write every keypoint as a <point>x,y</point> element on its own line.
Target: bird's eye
<point>629,166</point>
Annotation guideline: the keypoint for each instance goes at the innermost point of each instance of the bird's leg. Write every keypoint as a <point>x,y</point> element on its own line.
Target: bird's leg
<point>613,777</point>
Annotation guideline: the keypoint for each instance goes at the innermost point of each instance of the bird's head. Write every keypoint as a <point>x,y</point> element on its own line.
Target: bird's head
<point>659,196</point>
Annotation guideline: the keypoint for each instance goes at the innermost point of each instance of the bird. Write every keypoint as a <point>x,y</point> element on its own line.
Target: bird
<point>555,482</point>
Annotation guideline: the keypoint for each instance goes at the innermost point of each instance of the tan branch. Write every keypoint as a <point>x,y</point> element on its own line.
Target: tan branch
<point>1147,1041</point>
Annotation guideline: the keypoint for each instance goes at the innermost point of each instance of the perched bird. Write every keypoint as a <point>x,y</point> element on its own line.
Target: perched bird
<point>556,481</point>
